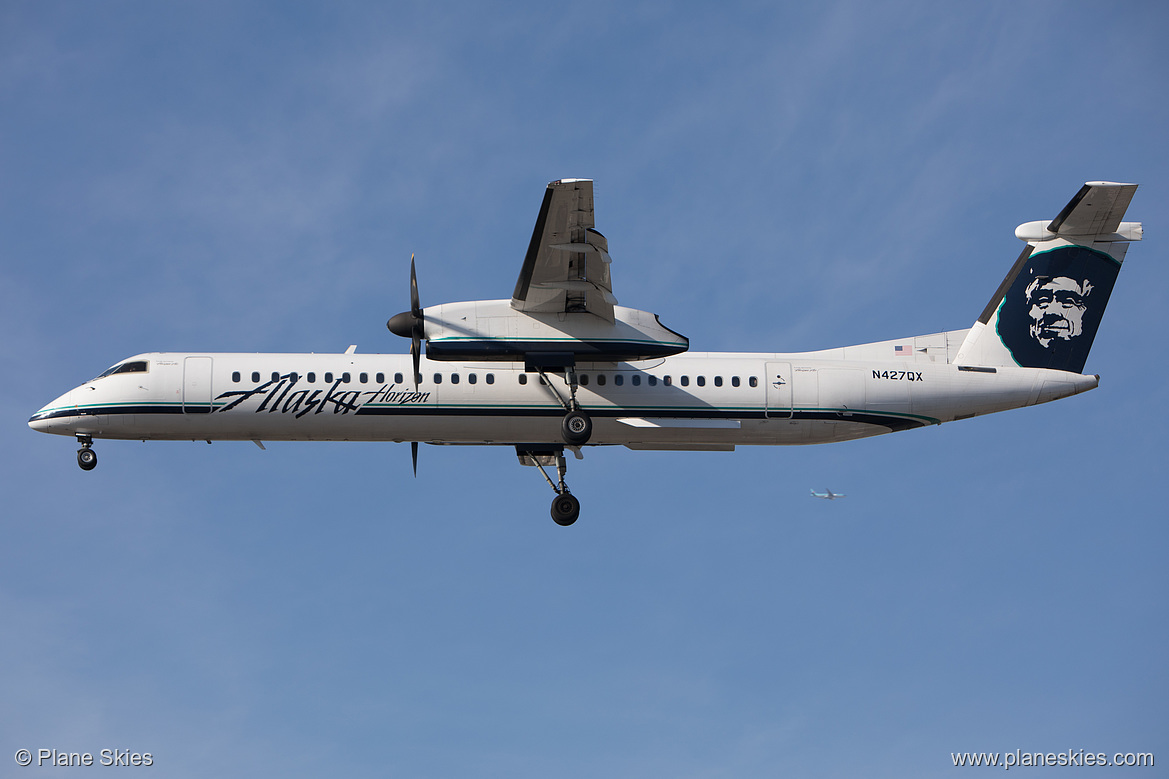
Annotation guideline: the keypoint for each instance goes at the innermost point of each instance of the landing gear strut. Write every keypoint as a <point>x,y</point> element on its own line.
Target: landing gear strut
<point>577,427</point>
<point>86,457</point>
<point>565,506</point>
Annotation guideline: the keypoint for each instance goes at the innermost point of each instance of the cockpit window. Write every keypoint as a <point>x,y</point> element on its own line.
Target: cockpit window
<point>134,366</point>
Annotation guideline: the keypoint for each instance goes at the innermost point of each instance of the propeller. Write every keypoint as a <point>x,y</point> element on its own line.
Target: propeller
<point>411,324</point>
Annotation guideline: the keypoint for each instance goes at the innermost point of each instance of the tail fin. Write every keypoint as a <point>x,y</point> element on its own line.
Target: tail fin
<point>1046,312</point>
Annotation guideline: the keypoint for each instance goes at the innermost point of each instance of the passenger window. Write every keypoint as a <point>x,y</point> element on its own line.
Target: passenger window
<point>454,378</point>
<point>472,378</point>
<point>618,379</point>
<point>364,378</point>
<point>438,378</point>
<point>718,381</point>
<point>667,381</point>
<point>734,381</point>
<point>701,381</point>
<point>754,382</point>
<point>275,376</point>
<point>600,379</point>
<point>636,379</point>
<point>312,377</point>
<point>329,378</point>
<point>255,377</point>
<point>583,380</point>
<point>397,378</point>
<point>491,378</point>
<point>523,378</point>
<point>345,378</point>
<point>381,378</point>
<point>685,381</point>
<point>653,381</point>
<point>294,376</point>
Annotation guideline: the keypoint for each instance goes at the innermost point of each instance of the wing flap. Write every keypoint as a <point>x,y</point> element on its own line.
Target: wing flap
<point>566,268</point>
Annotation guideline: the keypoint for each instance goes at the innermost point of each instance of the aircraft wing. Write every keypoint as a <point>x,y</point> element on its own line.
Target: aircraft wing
<point>567,265</point>
<point>1095,210</point>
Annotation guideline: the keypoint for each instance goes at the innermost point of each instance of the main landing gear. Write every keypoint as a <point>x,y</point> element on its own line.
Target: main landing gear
<point>577,427</point>
<point>86,457</point>
<point>565,506</point>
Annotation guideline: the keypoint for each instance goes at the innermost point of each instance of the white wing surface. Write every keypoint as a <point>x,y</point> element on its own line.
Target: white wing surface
<point>567,265</point>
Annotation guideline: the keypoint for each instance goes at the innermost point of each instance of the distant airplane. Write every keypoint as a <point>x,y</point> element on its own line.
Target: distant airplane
<point>534,372</point>
<point>828,494</point>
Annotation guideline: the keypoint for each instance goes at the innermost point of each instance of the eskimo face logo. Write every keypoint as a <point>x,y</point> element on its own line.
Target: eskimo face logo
<point>1057,307</point>
<point>1050,313</point>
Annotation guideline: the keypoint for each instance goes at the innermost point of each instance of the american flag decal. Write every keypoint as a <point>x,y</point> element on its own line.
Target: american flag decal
<point>903,351</point>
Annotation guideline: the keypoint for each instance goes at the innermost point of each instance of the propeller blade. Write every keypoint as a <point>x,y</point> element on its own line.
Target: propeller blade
<point>414,456</point>
<point>411,324</point>
<point>416,354</point>
<point>415,306</point>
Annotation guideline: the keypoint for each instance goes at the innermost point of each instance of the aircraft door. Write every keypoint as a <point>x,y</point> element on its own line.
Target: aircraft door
<point>197,385</point>
<point>778,383</point>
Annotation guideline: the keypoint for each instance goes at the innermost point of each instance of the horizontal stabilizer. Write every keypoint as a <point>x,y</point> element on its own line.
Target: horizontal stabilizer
<point>1095,210</point>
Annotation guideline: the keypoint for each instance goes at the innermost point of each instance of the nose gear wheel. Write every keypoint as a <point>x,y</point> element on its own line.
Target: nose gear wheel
<point>86,457</point>
<point>565,509</point>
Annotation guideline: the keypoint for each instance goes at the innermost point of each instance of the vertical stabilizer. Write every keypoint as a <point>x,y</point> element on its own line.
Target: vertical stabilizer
<point>1046,312</point>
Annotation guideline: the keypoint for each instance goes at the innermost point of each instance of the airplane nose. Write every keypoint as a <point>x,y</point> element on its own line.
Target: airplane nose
<point>50,419</point>
<point>38,421</point>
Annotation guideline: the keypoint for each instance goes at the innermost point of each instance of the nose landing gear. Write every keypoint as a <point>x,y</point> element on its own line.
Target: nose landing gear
<point>565,508</point>
<point>86,457</point>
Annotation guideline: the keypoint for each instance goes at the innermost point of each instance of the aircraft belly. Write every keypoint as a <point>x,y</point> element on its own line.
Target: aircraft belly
<point>430,427</point>
<point>468,426</point>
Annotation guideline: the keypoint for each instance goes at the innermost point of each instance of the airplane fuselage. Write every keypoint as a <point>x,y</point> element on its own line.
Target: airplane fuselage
<point>691,401</point>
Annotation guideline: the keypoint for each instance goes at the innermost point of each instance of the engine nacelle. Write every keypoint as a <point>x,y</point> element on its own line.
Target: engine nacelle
<point>494,331</point>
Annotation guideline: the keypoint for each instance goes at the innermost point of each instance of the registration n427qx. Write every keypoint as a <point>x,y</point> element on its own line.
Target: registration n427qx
<point>560,366</point>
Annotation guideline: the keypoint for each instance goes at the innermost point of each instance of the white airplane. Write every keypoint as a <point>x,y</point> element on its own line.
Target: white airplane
<point>828,494</point>
<point>561,365</point>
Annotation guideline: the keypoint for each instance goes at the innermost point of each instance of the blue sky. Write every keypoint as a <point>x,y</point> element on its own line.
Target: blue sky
<point>254,177</point>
